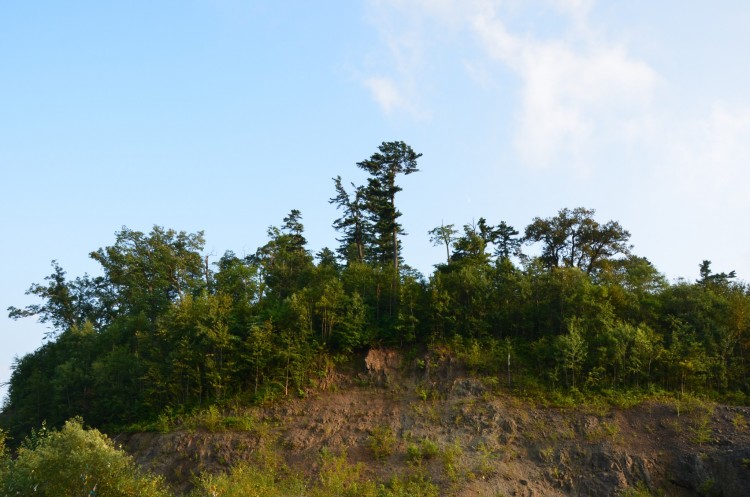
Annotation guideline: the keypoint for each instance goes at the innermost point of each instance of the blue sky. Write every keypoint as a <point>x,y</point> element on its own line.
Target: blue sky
<point>223,115</point>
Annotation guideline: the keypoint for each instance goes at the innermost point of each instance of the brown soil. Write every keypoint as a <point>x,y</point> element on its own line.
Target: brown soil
<point>479,442</point>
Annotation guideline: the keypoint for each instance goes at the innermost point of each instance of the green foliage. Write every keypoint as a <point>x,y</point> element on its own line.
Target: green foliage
<point>214,419</point>
<point>708,489</point>
<point>5,460</point>
<point>739,422</point>
<point>284,261</point>
<point>640,490</point>
<point>66,304</point>
<point>263,479</point>
<point>605,431</point>
<point>574,239</point>
<point>267,477</point>
<point>702,432</point>
<point>391,160</point>
<point>76,462</point>
<point>572,349</point>
<point>451,458</point>
<point>150,272</point>
<point>339,478</point>
<point>163,327</point>
<point>546,454</point>
<point>409,487</point>
<point>487,461</point>
<point>356,243</point>
<point>443,235</point>
<point>425,450</point>
<point>382,442</point>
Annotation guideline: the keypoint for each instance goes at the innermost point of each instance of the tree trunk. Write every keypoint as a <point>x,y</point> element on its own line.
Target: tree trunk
<point>508,369</point>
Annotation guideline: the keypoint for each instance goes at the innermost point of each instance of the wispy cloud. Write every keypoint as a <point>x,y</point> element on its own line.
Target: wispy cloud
<point>583,95</point>
<point>575,97</point>
<point>577,91</point>
<point>386,93</point>
<point>708,157</point>
<point>409,31</point>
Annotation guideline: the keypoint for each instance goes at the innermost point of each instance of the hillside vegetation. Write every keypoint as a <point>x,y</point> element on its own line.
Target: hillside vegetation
<point>395,427</point>
<point>564,310</point>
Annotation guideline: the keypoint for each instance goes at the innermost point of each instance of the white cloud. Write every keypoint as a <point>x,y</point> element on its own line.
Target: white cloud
<point>582,96</point>
<point>386,93</point>
<point>587,104</point>
<point>709,157</point>
<point>577,95</point>
<point>399,55</point>
<point>578,10</point>
<point>411,34</point>
<point>578,92</point>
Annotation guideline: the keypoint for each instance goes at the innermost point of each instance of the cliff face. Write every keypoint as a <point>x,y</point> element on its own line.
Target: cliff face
<point>471,441</point>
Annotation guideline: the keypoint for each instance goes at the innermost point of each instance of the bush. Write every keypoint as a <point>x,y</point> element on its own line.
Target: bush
<point>4,458</point>
<point>76,462</point>
<point>249,480</point>
<point>426,449</point>
<point>382,442</point>
<point>339,478</point>
<point>410,487</point>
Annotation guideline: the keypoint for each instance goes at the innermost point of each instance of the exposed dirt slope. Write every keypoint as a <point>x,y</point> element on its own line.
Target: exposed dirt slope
<point>474,442</point>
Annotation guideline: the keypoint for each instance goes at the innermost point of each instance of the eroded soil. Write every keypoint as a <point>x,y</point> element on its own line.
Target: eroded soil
<point>473,441</point>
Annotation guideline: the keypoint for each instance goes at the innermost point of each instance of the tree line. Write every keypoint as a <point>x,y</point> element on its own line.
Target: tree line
<point>565,304</point>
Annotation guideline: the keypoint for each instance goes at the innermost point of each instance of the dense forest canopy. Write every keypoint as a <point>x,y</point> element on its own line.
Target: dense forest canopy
<point>565,305</point>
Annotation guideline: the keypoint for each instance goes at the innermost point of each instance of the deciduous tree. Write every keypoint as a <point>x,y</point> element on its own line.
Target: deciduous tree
<point>574,238</point>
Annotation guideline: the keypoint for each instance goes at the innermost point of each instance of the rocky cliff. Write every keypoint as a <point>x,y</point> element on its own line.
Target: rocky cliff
<point>471,439</point>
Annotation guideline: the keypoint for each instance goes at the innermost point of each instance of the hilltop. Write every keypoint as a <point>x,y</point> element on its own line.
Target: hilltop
<point>477,372</point>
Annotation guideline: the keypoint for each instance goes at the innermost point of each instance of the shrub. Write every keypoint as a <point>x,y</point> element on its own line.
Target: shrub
<point>413,454</point>
<point>77,462</point>
<point>410,487</point>
<point>4,457</point>
<point>429,448</point>
<point>426,449</point>
<point>382,442</point>
<point>339,478</point>
<point>451,456</point>
<point>248,480</point>
<point>739,422</point>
